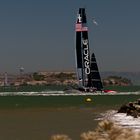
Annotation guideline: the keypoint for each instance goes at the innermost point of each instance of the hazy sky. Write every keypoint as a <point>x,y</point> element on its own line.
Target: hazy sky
<point>39,34</point>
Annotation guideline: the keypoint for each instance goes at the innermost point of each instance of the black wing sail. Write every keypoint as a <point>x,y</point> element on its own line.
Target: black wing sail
<point>85,48</point>
<point>95,79</point>
<point>82,49</point>
<point>79,59</point>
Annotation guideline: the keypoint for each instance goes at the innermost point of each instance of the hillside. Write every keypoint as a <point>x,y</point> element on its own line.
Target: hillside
<point>133,76</point>
<point>68,78</point>
<point>116,81</point>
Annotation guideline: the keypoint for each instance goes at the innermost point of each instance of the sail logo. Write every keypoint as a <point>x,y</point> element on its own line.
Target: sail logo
<point>86,56</point>
<point>79,18</point>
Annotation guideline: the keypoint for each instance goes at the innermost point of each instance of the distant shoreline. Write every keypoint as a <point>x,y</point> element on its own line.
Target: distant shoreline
<point>67,78</point>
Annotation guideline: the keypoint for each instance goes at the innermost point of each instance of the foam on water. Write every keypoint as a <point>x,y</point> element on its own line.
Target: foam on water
<point>121,119</point>
<point>62,93</point>
<point>46,93</point>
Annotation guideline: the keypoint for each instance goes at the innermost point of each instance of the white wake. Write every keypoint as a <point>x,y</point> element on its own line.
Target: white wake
<point>63,93</point>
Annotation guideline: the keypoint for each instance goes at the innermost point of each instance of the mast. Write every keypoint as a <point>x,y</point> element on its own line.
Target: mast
<point>5,79</point>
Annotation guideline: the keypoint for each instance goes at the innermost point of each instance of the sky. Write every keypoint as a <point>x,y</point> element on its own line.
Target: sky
<point>39,35</point>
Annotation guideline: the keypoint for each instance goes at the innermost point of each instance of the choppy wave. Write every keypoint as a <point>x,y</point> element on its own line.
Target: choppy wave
<point>121,119</point>
<point>62,93</point>
<point>47,93</point>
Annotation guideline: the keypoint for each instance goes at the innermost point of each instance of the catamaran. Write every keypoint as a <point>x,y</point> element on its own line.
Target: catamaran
<point>87,69</point>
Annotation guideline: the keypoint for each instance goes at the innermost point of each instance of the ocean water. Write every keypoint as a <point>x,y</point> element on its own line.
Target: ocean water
<point>42,123</point>
<point>31,116</point>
